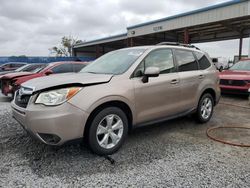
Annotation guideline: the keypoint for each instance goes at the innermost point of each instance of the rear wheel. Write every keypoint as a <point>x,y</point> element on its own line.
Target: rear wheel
<point>205,108</point>
<point>108,131</point>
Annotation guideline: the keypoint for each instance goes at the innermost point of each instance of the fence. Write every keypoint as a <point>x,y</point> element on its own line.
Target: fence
<point>42,59</point>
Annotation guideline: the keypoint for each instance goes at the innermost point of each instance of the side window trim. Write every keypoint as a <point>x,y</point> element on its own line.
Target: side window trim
<point>143,61</point>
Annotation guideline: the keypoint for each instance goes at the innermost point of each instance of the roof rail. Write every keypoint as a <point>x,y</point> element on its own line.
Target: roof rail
<point>178,44</point>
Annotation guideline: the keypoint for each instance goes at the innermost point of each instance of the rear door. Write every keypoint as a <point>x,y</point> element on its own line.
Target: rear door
<point>159,97</point>
<point>190,77</point>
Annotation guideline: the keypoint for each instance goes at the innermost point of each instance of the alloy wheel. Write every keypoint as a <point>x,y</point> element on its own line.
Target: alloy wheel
<point>109,131</point>
<point>206,108</point>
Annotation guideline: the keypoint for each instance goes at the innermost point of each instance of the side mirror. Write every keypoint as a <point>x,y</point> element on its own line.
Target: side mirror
<point>150,72</point>
<point>49,72</point>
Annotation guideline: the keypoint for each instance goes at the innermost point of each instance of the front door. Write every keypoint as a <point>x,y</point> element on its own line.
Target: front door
<point>159,97</point>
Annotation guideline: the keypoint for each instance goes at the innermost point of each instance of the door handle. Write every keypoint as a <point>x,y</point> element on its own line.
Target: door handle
<point>201,76</point>
<point>175,81</point>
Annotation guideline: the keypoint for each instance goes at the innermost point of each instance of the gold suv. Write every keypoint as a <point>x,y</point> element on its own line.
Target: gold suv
<point>117,92</point>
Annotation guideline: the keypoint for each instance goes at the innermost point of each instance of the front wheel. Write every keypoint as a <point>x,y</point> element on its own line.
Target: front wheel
<point>205,108</point>
<point>108,131</point>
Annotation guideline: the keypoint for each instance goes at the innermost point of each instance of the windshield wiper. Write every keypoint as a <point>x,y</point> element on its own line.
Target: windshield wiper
<point>91,72</point>
<point>97,72</point>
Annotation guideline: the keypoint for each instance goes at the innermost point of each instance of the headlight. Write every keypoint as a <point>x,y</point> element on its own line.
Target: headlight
<point>56,97</point>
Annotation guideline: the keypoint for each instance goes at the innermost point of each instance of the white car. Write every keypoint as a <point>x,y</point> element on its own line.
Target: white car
<point>221,63</point>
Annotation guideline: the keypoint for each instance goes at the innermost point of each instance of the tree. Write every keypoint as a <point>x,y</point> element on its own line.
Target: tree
<point>65,47</point>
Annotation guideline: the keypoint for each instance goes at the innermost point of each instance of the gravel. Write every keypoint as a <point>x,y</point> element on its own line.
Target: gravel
<point>176,153</point>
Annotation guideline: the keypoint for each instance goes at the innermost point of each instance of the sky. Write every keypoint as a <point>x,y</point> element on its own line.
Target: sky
<point>31,27</point>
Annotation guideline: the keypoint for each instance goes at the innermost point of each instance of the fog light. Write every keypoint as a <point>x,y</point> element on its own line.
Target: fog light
<point>49,138</point>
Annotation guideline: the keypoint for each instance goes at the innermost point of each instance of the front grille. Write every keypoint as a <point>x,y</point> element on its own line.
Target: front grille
<point>233,82</point>
<point>22,100</point>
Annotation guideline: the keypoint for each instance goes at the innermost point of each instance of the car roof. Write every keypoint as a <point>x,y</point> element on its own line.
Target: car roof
<point>152,47</point>
<point>66,62</point>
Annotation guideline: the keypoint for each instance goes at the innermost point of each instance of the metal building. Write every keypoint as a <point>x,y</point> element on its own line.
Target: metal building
<point>229,20</point>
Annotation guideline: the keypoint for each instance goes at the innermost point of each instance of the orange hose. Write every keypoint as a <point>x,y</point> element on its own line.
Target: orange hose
<point>224,141</point>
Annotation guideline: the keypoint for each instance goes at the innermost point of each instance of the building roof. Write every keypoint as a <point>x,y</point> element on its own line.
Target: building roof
<point>170,18</point>
<point>221,5</point>
<point>104,39</point>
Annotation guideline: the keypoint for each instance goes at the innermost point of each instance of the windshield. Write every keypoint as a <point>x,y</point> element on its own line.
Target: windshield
<point>241,66</point>
<point>38,69</point>
<point>22,68</point>
<point>116,62</point>
<point>33,68</point>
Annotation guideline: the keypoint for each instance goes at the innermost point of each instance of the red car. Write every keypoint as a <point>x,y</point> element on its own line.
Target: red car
<point>11,82</point>
<point>236,80</point>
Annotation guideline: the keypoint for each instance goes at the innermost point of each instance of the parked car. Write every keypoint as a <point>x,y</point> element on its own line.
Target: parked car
<point>11,82</point>
<point>24,68</point>
<point>220,63</point>
<point>11,66</point>
<point>121,90</point>
<point>236,80</point>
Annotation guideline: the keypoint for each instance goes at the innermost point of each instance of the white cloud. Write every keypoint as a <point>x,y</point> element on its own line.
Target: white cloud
<point>32,27</point>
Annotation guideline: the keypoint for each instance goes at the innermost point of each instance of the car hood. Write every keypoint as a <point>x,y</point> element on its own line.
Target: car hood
<point>51,81</point>
<point>16,75</point>
<point>235,75</point>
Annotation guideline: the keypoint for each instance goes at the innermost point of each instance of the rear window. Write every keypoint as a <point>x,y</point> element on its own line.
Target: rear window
<point>203,61</point>
<point>215,60</point>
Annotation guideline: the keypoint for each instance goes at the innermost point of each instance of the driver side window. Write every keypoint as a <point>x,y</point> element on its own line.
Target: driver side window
<point>162,58</point>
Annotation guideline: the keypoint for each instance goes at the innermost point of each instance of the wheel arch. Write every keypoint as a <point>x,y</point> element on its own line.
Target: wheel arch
<point>112,103</point>
<point>211,91</point>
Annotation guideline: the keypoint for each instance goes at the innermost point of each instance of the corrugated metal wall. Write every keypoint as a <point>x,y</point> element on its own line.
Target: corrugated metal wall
<point>223,13</point>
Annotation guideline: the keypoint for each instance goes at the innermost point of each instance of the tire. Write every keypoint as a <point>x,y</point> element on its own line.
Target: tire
<point>101,135</point>
<point>204,114</point>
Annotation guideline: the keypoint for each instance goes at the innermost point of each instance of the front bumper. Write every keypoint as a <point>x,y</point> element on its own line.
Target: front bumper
<point>64,122</point>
